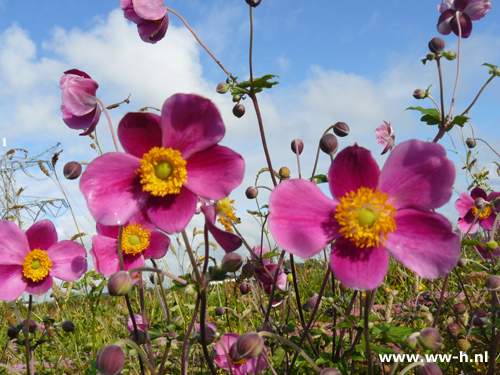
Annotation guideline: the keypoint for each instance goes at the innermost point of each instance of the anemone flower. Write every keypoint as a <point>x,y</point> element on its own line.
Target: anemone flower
<point>140,241</point>
<point>265,276</point>
<point>238,367</point>
<point>150,16</point>
<point>138,322</point>
<point>168,162</point>
<point>79,104</point>
<point>489,255</point>
<point>467,211</point>
<point>373,214</point>
<point>30,260</point>
<point>464,10</point>
<point>223,212</point>
<point>385,136</point>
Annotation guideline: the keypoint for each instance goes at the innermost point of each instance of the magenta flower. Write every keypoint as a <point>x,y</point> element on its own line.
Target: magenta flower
<point>140,241</point>
<point>486,253</point>
<point>265,276</point>
<point>30,260</point>
<point>138,322</point>
<point>241,367</point>
<point>168,162</point>
<point>373,214</point>
<point>79,104</point>
<point>467,211</point>
<point>467,10</point>
<point>385,136</point>
<point>150,16</point>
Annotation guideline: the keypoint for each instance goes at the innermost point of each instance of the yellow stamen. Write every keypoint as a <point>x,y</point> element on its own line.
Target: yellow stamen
<point>225,211</point>
<point>162,171</point>
<point>36,265</point>
<point>365,217</point>
<point>135,239</point>
<point>240,362</point>
<point>484,215</point>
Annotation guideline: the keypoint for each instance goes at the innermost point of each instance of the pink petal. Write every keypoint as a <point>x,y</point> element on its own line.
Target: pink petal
<point>128,11</point>
<point>214,173</point>
<point>78,94</point>
<point>302,218</point>
<point>477,9</point>
<point>172,213</point>
<point>104,254</point>
<point>158,245</point>
<point>354,167</point>
<point>477,192</point>
<point>150,9</point>
<point>95,120</point>
<point>444,22</point>
<point>42,235</point>
<point>228,241</point>
<point>190,124</point>
<point>358,268</point>
<point>86,121</point>
<point>418,174</point>
<point>13,244</point>
<point>132,261</point>
<point>112,188</point>
<point>153,31</point>
<point>446,4</point>
<point>139,133</point>
<point>69,260</point>
<point>464,224</point>
<point>464,204</point>
<point>424,242</point>
<point>40,287</point>
<point>260,252</point>
<point>12,281</point>
<point>111,231</point>
<point>227,339</point>
<point>465,25</point>
<point>68,75</point>
<point>252,363</point>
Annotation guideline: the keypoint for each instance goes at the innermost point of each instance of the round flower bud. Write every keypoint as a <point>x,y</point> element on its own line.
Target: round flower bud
<point>236,98</point>
<point>248,269</point>
<point>120,283</point>
<point>453,329</point>
<point>463,345</point>
<point>190,290</point>
<point>344,288</point>
<point>233,353</point>
<point>479,318</point>
<point>222,88</point>
<point>289,277</point>
<point>110,360</point>
<point>297,143</point>
<point>141,337</point>
<point>330,312</point>
<point>172,335</point>
<point>231,262</point>
<point>311,304</point>
<point>252,192</point>
<point>267,328</point>
<point>239,110</point>
<point>32,327</point>
<point>491,245</point>
<point>451,55</point>
<point>244,289</point>
<point>209,335</point>
<point>493,283</point>
<point>158,276</point>
<point>219,311</point>
<point>480,203</point>
<point>419,94</point>
<point>253,3</point>
<point>341,129</point>
<point>13,332</point>
<point>68,326</point>
<point>249,345</point>
<point>430,56</point>
<point>430,338</point>
<point>461,262</point>
<point>436,45</point>
<point>470,142</point>
<point>430,368</point>
<point>330,371</point>
<point>459,308</point>
<point>411,341</point>
<point>329,144</point>
<point>285,328</point>
<point>72,170</point>
<point>178,320</point>
<point>284,173</point>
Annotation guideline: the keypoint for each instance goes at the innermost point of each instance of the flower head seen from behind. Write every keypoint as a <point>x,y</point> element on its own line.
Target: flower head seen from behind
<point>150,16</point>
<point>238,366</point>
<point>79,104</point>
<point>168,162</point>
<point>372,214</point>
<point>464,10</point>
<point>467,211</point>
<point>385,136</point>
<point>30,260</point>
<point>138,321</point>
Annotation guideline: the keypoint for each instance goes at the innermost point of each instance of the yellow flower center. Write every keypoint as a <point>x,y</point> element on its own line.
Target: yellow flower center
<point>484,215</point>
<point>240,362</point>
<point>365,217</point>
<point>162,171</point>
<point>36,265</point>
<point>226,213</point>
<point>135,239</point>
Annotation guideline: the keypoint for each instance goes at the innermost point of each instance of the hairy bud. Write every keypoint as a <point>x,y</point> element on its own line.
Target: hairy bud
<point>120,283</point>
<point>430,338</point>
<point>239,110</point>
<point>471,143</point>
<point>110,360</point>
<point>341,129</point>
<point>252,192</point>
<point>297,144</point>
<point>72,170</point>
<point>249,345</point>
<point>329,144</point>
<point>231,262</point>
<point>68,326</point>
<point>437,45</point>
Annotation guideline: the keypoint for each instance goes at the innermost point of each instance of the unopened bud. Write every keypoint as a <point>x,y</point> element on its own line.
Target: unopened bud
<point>284,173</point>
<point>493,283</point>
<point>480,203</point>
<point>222,88</point>
<point>252,192</point>
<point>419,94</point>
<point>471,143</point>
<point>329,144</point>
<point>68,326</point>
<point>436,45</point>
<point>244,289</point>
<point>110,360</point>
<point>289,277</point>
<point>190,290</point>
<point>248,269</point>
<point>120,283</point>
<point>491,245</point>
<point>344,288</point>
<point>231,262</point>
<point>249,345</point>
<point>158,276</point>
<point>287,270</point>
<point>411,341</point>
<point>450,55</point>
<point>430,338</point>
<point>237,98</point>
<point>72,170</point>
<point>32,327</point>
<point>239,110</point>
<point>266,328</point>
<point>297,144</point>
<point>463,345</point>
<point>253,3</point>
<point>311,304</point>
<point>459,308</point>
<point>209,335</point>
<point>12,332</point>
<point>479,318</point>
<point>178,320</point>
<point>430,56</point>
<point>219,311</point>
<point>330,371</point>
<point>141,337</point>
<point>430,368</point>
<point>453,329</point>
<point>461,262</point>
<point>341,129</point>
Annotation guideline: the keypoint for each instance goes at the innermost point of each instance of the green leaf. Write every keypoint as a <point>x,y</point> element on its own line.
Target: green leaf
<point>269,255</point>
<point>490,65</point>
<point>460,120</point>
<point>430,120</point>
<point>320,178</point>
<point>431,115</point>
<point>278,357</point>
<point>263,83</point>
<point>466,242</point>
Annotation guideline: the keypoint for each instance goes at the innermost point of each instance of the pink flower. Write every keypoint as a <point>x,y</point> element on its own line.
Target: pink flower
<point>385,136</point>
<point>263,275</point>
<point>138,322</point>
<point>79,104</point>
<point>140,241</point>
<point>30,260</point>
<point>150,16</point>
<point>242,367</point>
<point>486,253</point>
<point>168,162</point>
<point>467,211</point>
<point>468,11</point>
<point>373,214</point>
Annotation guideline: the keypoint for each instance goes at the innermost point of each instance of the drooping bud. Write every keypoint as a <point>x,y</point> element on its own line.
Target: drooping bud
<point>311,304</point>
<point>141,337</point>
<point>252,192</point>
<point>222,87</point>
<point>459,308</point>
<point>219,311</point>
<point>450,55</point>
<point>430,368</point>
<point>32,327</point>
<point>233,353</point>
<point>209,335</point>
<point>120,283</point>
<point>68,326</point>
<point>493,283</point>
<point>158,276</point>
<point>248,269</point>
<point>471,143</point>
<point>72,170</point>
<point>480,203</point>
<point>329,144</point>
<point>437,45</point>
<point>172,335</point>
<point>419,94</point>
<point>453,329</point>
<point>190,290</point>
<point>430,338</point>
<point>430,56</point>
<point>480,318</point>
<point>463,345</point>
<point>253,3</point>
<point>330,371</point>
<point>13,332</point>
<point>249,345</point>
<point>231,262</point>
<point>237,98</point>
<point>297,144</point>
<point>411,341</point>
<point>284,173</point>
<point>110,360</point>
<point>341,129</point>
<point>178,320</point>
<point>461,262</point>
<point>244,289</point>
<point>239,110</point>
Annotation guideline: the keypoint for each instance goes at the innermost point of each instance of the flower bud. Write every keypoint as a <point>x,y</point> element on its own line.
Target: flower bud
<point>479,318</point>
<point>330,312</point>
<point>190,290</point>
<point>141,336</point>
<point>209,335</point>
<point>461,262</point>
<point>285,328</point>
<point>68,326</point>
<point>253,3</point>
<point>110,360</point>
<point>244,289</point>
<point>341,129</point>
<point>450,55</point>
<point>470,142</point>
<point>248,269</point>
<point>411,341</point>
<point>463,345</point>
<point>329,144</point>
<point>284,173</point>
<point>344,288</point>
<point>219,311</point>
<point>430,368</point>
<point>491,245</point>
<point>311,304</point>
<point>430,56</point>
<point>493,283</point>
<point>249,345</point>
<point>480,203</point>
<point>72,170</point>
<point>158,276</point>
<point>231,262</point>
<point>330,371</point>
<point>237,98</point>
<point>430,338</point>
<point>252,192</point>
<point>233,353</point>
<point>267,328</point>
<point>178,320</point>
<point>239,110</point>
<point>289,277</point>
<point>453,329</point>
<point>419,94</point>
<point>13,332</point>
<point>120,283</point>
<point>297,144</point>
<point>172,335</point>
<point>32,327</point>
<point>459,308</point>
<point>436,45</point>
<point>222,88</point>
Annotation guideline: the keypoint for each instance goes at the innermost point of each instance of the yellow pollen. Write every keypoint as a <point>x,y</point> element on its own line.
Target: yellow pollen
<point>162,171</point>
<point>240,362</point>
<point>135,239</point>
<point>225,211</point>
<point>365,217</point>
<point>484,215</point>
<point>36,265</point>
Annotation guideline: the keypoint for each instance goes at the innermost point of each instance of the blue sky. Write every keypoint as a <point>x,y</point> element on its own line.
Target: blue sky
<point>356,62</point>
